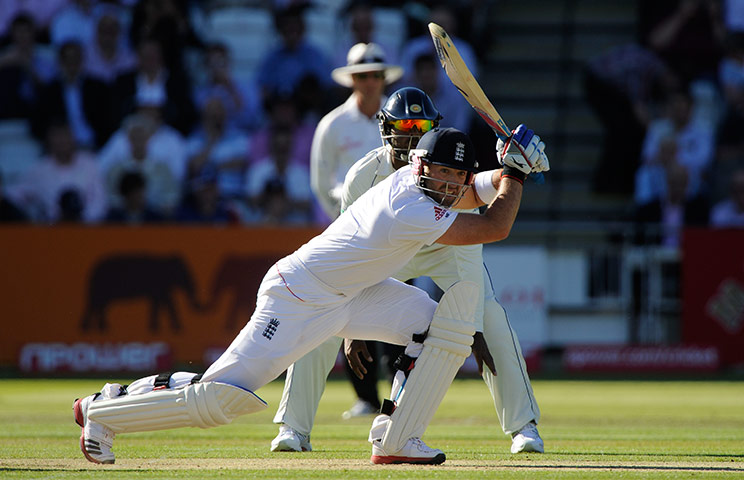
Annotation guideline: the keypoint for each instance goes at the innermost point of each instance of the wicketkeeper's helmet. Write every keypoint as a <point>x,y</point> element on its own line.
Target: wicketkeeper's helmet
<point>407,114</point>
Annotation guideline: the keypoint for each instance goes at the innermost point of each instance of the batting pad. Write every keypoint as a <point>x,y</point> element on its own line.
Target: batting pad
<point>446,347</point>
<point>201,405</point>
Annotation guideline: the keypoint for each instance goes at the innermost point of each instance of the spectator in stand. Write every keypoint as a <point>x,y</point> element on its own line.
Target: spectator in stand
<point>623,87</point>
<point>733,15</point>
<point>9,211</point>
<point>64,168</point>
<point>457,112</point>
<point>241,99</point>
<point>650,181</point>
<point>109,55</point>
<point>152,83</point>
<point>729,213</point>
<point>140,146</point>
<point>76,96</point>
<point>278,185</point>
<point>168,23</point>
<point>41,12</point>
<point>444,16</point>
<point>202,202</point>
<point>730,141</point>
<point>731,75</point>
<point>311,100</point>
<point>687,34</point>
<point>285,67</point>
<point>134,209</point>
<point>71,207</point>
<point>222,145</point>
<point>349,131</point>
<point>23,71</point>
<point>164,142</point>
<point>661,221</point>
<point>359,15</point>
<point>282,112</point>
<point>74,22</point>
<point>694,139</point>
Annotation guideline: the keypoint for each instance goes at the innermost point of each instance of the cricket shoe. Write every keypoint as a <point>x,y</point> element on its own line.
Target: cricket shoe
<point>360,408</point>
<point>96,440</point>
<point>527,440</point>
<point>290,440</point>
<point>414,451</point>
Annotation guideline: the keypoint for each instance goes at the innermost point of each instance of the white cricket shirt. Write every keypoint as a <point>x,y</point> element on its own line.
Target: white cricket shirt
<point>375,237</point>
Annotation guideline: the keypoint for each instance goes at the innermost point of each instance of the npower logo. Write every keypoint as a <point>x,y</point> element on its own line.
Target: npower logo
<point>89,357</point>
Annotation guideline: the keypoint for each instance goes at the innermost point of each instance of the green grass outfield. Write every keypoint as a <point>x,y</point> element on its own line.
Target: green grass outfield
<point>592,430</point>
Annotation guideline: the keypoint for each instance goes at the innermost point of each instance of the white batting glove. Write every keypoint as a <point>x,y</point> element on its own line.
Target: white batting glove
<point>524,151</point>
<point>541,164</point>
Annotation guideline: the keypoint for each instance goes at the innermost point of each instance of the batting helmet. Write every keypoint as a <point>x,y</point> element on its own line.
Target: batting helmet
<point>447,147</point>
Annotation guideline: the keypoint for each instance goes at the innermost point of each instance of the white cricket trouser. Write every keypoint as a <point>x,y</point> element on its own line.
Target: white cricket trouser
<point>287,324</point>
<point>511,390</point>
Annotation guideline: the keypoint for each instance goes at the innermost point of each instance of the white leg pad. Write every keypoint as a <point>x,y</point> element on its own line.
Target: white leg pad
<point>446,347</point>
<point>201,405</point>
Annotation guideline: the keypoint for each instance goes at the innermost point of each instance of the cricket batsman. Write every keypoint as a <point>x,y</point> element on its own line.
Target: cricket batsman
<point>339,284</point>
<point>408,114</point>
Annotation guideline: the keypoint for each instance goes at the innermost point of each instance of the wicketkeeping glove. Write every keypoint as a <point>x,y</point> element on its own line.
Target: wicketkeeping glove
<point>523,151</point>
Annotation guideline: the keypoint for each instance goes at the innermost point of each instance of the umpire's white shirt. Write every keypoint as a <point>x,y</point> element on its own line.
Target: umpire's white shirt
<point>342,137</point>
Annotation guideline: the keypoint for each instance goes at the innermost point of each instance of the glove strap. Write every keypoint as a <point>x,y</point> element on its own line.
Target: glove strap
<point>513,173</point>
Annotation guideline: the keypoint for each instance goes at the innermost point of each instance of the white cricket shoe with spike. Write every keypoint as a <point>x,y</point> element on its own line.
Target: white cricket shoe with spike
<point>414,451</point>
<point>290,440</point>
<point>527,439</point>
<point>96,440</point>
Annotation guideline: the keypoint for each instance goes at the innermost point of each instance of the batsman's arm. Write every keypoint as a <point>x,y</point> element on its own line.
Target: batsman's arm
<point>501,190</point>
<point>495,224</point>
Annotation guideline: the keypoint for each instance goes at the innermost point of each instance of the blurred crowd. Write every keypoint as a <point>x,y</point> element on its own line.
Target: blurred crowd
<point>672,108</point>
<point>136,111</point>
<point>133,111</point>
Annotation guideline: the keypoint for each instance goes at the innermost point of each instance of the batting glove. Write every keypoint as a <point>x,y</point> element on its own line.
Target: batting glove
<point>523,151</point>
<point>541,164</point>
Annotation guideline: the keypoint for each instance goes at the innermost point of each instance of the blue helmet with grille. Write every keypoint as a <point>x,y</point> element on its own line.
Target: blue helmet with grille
<point>406,115</point>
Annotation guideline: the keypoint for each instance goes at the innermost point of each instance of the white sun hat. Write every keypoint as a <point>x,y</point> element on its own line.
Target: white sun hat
<point>366,57</point>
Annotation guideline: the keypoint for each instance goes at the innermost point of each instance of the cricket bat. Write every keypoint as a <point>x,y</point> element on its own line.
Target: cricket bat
<point>459,73</point>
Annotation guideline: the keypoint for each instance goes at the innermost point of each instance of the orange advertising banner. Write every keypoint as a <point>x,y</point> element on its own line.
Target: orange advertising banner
<point>100,299</point>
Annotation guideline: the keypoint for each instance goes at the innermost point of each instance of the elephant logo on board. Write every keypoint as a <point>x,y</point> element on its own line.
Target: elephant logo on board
<point>238,275</point>
<point>132,276</point>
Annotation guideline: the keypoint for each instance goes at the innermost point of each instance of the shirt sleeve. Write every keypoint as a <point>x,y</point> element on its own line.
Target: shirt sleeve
<point>360,178</point>
<point>323,165</point>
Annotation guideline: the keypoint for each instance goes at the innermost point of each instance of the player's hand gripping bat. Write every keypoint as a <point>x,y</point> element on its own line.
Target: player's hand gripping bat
<point>461,78</point>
